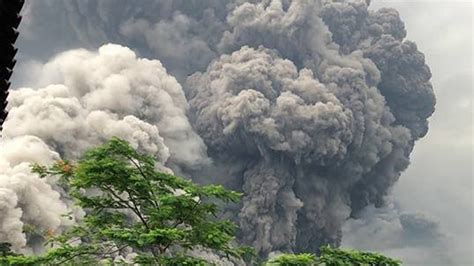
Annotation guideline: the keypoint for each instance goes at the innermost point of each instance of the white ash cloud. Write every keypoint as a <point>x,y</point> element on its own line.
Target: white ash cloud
<point>97,95</point>
<point>104,93</point>
<point>25,198</point>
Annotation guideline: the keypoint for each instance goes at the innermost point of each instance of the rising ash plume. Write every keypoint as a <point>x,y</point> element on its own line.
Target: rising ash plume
<point>311,108</point>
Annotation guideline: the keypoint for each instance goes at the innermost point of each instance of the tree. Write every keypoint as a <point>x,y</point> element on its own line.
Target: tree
<point>154,217</point>
<point>132,206</point>
<point>334,257</point>
<point>293,260</point>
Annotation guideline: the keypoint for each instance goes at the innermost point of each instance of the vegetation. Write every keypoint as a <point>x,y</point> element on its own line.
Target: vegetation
<point>334,257</point>
<point>154,217</point>
<point>130,205</point>
<point>293,260</point>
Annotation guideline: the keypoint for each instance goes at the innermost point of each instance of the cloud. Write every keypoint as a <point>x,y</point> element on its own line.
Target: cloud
<point>98,93</point>
<point>25,198</point>
<point>94,96</point>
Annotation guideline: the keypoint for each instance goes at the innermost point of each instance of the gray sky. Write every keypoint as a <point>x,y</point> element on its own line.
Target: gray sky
<point>439,180</point>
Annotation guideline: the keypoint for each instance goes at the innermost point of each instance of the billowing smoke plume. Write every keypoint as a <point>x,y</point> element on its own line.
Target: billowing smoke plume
<point>24,197</point>
<point>183,34</point>
<point>311,108</point>
<point>105,94</point>
<point>313,121</point>
<point>97,95</point>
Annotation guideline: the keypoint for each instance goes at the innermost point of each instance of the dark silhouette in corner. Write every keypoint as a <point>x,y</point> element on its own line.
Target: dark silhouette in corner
<point>9,20</point>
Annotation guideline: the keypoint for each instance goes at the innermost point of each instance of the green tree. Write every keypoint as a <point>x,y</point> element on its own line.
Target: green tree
<point>334,257</point>
<point>130,205</point>
<point>293,260</point>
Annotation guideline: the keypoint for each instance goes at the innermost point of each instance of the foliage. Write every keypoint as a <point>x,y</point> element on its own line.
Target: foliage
<point>335,257</point>
<point>7,257</point>
<point>294,260</point>
<point>130,205</point>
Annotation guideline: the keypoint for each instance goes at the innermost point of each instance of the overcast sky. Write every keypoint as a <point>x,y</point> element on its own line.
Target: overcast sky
<point>439,180</point>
